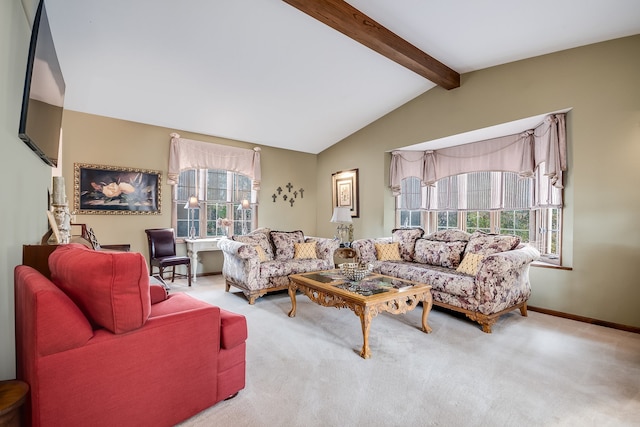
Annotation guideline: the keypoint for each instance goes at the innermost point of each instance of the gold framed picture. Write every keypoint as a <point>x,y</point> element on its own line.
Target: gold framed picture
<point>100,189</point>
<point>345,191</point>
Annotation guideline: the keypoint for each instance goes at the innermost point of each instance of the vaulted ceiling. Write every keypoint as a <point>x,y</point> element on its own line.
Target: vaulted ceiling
<point>264,72</point>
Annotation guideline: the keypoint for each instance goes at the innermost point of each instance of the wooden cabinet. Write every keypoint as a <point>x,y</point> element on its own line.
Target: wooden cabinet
<point>37,256</point>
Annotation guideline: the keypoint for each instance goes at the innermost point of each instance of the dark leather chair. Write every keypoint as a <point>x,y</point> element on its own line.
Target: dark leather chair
<point>162,252</point>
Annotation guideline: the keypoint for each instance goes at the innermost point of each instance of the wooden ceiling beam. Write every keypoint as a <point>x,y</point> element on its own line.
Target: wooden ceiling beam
<point>343,17</point>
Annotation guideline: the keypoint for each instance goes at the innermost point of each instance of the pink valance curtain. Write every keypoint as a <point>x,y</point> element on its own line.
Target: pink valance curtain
<point>522,153</point>
<point>190,154</point>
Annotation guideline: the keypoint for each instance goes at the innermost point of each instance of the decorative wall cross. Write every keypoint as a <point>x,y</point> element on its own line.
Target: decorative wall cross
<point>291,198</point>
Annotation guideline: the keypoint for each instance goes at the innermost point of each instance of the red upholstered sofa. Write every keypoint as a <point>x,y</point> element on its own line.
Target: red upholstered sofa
<point>100,346</point>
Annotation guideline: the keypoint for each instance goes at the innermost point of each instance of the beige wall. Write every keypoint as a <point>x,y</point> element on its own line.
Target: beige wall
<point>104,141</point>
<point>602,227</point>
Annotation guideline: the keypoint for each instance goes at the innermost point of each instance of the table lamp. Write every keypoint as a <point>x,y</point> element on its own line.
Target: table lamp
<point>342,216</point>
<point>191,204</point>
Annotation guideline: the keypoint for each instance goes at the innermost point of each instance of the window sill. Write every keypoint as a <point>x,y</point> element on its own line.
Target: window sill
<point>543,264</point>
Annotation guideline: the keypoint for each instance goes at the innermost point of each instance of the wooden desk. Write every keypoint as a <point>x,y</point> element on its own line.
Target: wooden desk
<point>200,245</point>
<point>12,395</point>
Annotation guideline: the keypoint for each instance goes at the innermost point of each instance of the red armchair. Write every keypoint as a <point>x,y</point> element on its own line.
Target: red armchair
<point>100,346</point>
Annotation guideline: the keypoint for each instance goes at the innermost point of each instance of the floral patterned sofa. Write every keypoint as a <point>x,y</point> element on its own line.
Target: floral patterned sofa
<point>481,275</point>
<point>261,261</point>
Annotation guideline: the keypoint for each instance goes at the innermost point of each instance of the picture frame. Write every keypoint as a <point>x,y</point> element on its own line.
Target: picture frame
<point>345,191</point>
<point>115,190</point>
<point>53,225</point>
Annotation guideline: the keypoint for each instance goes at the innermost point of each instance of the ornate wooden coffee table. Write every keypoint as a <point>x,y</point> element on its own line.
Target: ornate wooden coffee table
<point>366,298</point>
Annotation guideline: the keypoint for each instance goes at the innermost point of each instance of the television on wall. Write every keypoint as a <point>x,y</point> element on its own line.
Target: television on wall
<point>43,96</point>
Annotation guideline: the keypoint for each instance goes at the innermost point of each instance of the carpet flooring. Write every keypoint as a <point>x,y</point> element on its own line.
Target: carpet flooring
<point>538,370</point>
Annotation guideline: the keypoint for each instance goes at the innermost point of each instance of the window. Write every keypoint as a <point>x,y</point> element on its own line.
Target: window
<point>221,194</point>
<point>409,213</point>
<point>493,202</point>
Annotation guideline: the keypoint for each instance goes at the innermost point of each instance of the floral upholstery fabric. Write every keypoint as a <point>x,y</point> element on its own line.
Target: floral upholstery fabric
<point>257,238</point>
<point>366,250</point>
<point>242,268</point>
<point>449,235</point>
<point>502,280</point>
<point>487,244</point>
<point>444,254</point>
<point>406,237</point>
<point>272,269</point>
<point>283,242</point>
<point>262,255</point>
<point>440,278</point>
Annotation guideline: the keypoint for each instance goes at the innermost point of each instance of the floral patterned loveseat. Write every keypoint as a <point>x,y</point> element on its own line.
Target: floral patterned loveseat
<point>481,275</point>
<point>261,261</point>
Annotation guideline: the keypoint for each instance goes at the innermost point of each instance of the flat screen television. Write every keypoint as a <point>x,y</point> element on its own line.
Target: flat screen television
<point>43,96</point>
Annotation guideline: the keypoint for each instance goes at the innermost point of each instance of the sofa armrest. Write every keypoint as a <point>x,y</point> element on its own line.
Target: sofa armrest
<point>237,249</point>
<point>233,329</point>
<point>503,279</point>
<point>366,249</point>
<point>158,293</point>
<point>325,248</point>
<point>241,264</point>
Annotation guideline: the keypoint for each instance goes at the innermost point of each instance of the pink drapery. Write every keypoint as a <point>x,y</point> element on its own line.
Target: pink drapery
<point>521,153</point>
<point>190,154</point>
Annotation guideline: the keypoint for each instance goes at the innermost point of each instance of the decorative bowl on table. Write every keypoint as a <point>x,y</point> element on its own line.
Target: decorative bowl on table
<point>355,271</point>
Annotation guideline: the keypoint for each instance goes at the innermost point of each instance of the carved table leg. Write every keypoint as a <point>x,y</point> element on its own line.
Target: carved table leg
<point>365,320</point>
<point>292,295</point>
<point>427,303</point>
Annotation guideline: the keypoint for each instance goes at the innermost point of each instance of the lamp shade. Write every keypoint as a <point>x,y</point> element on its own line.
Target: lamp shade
<point>341,215</point>
<point>192,203</point>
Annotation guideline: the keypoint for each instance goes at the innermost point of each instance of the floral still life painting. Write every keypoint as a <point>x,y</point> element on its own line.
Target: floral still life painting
<point>102,189</point>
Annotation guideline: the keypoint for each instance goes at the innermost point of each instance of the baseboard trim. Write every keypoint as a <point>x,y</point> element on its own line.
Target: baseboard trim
<point>634,329</point>
<point>215,273</point>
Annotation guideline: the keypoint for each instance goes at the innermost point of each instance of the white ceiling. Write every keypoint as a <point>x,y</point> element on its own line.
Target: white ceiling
<point>263,72</point>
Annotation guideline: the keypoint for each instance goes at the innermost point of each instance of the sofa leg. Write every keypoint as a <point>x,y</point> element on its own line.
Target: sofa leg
<point>486,325</point>
<point>227,286</point>
<point>523,310</point>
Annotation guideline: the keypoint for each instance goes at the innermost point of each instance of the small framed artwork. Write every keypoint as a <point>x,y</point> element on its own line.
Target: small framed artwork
<point>100,189</point>
<point>345,191</point>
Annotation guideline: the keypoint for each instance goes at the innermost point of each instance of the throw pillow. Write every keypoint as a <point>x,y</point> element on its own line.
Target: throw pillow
<point>111,288</point>
<point>444,254</point>
<point>406,237</point>
<point>487,244</point>
<point>256,238</point>
<point>262,256</point>
<point>449,235</point>
<point>388,251</point>
<point>283,241</point>
<point>470,264</point>
<point>305,250</point>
